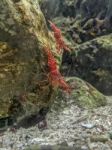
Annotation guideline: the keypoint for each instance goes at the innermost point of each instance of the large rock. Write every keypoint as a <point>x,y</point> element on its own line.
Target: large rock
<point>23,34</point>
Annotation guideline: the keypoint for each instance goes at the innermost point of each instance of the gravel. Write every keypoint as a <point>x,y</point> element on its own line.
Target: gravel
<point>71,126</point>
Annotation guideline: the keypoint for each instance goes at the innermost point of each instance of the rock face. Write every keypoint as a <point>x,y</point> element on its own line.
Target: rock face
<point>23,34</point>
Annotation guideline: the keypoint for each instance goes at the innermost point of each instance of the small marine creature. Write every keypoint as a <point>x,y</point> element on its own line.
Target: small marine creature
<point>13,129</point>
<point>60,44</point>
<point>42,125</point>
<point>55,77</point>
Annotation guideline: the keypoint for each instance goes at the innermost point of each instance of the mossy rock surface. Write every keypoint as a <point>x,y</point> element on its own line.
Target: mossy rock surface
<point>23,35</point>
<point>83,94</point>
<point>92,61</point>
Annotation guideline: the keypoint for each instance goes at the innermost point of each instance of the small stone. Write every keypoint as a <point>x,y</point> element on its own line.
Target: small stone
<point>84,147</point>
<point>88,125</point>
<point>110,135</point>
<point>99,138</point>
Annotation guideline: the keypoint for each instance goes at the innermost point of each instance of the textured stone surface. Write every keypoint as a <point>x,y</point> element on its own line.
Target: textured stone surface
<point>83,94</point>
<point>23,34</point>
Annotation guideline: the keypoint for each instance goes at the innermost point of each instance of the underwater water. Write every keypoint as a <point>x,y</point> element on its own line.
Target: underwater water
<point>55,74</point>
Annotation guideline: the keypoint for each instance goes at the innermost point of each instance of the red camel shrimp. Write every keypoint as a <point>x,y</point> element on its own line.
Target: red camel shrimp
<point>55,77</point>
<point>58,37</point>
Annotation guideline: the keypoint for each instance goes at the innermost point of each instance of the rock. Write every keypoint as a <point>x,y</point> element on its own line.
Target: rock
<point>23,34</point>
<point>99,138</point>
<point>88,125</point>
<point>93,63</point>
<point>83,95</point>
<point>110,135</point>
